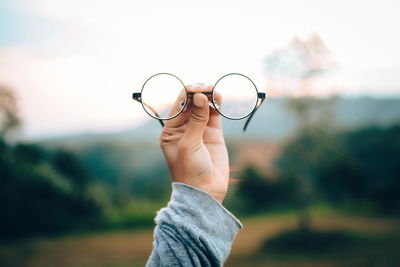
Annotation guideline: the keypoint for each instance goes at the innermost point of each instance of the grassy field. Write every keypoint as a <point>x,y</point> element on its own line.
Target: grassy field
<point>379,245</point>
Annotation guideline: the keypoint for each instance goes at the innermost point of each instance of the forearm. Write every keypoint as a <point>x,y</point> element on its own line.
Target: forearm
<point>193,230</point>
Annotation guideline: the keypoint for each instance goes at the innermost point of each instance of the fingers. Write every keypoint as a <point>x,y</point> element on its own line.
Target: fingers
<point>179,120</point>
<point>198,120</point>
<point>178,103</point>
<point>215,117</point>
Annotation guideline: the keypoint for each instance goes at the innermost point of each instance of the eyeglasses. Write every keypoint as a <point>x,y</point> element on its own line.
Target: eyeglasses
<point>234,96</point>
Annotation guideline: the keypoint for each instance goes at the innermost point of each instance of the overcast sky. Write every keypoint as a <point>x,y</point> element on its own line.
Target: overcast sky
<point>75,63</point>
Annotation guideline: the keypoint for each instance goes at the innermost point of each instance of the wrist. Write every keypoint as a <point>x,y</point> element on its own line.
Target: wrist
<point>208,189</point>
<point>218,196</point>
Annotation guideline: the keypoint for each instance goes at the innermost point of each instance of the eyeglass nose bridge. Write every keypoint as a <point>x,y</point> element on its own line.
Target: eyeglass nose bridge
<point>211,102</point>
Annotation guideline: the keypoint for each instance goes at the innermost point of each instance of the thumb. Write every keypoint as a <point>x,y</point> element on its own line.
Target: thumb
<point>198,119</point>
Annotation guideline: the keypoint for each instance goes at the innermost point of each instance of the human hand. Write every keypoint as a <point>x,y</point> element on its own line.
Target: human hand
<point>194,145</point>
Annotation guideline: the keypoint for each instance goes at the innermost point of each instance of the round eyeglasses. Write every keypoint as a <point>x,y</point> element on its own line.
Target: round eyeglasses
<point>234,96</point>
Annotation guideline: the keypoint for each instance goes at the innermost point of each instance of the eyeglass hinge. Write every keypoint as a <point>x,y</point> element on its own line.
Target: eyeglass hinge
<point>137,96</point>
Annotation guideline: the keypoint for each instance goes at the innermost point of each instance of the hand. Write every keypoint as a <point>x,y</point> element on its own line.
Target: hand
<point>194,145</point>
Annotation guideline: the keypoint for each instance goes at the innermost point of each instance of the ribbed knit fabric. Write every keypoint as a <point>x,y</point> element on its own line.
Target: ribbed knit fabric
<point>193,230</point>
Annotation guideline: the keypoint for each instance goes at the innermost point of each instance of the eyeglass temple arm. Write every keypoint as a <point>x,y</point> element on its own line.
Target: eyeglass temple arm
<point>260,96</point>
<point>138,98</point>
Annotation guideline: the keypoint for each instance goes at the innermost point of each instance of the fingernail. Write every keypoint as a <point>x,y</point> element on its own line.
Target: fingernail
<point>197,100</point>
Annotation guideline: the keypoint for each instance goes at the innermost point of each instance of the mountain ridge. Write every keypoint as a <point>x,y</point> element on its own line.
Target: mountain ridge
<point>272,121</point>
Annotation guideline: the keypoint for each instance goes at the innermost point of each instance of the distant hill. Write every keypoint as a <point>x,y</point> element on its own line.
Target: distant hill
<point>272,121</point>
<point>132,160</point>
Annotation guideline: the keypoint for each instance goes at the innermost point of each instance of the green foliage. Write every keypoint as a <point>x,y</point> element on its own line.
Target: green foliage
<point>44,191</point>
<point>37,199</point>
<point>303,157</point>
<point>257,193</point>
<point>30,154</point>
<point>357,170</point>
<point>132,215</point>
<point>135,170</point>
<point>68,164</point>
<point>47,191</point>
<point>370,171</point>
<point>361,166</point>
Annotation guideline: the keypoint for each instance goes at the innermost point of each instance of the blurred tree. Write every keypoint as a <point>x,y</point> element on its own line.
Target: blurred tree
<point>301,159</point>
<point>69,165</point>
<point>350,168</point>
<point>135,170</point>
<point>369,171</point>
<point>257,193</point>
<point>30,153</point>
<point>36,199</point>
<point>9,118</point>
<point>300,62</point>
<point>46,192</point>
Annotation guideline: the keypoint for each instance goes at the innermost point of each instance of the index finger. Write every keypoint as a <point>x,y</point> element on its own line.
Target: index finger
<point>176,108</point>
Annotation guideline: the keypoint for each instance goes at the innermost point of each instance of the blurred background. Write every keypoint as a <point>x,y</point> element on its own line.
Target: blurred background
<point>315,178</point>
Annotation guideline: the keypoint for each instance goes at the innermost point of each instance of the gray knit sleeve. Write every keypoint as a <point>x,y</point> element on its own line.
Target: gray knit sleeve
<point>193,230</point>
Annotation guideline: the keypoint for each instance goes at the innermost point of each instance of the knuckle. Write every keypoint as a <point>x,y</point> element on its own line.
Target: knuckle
<point>162,140</point>
<point>171,135</point>
<point>198,117</point>
<point>166,137</point>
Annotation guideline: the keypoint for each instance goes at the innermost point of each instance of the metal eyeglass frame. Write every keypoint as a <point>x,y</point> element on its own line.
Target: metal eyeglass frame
<point>260,99</point>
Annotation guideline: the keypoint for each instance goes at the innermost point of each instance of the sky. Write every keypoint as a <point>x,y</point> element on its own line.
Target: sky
<point>75,63</point>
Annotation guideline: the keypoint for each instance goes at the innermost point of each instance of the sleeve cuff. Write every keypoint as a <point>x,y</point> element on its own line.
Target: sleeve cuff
<point>202,215</point>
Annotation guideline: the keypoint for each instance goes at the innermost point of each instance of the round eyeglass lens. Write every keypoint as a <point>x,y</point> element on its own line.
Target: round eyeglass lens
<point>160,93</point>
<point>235,95</point>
